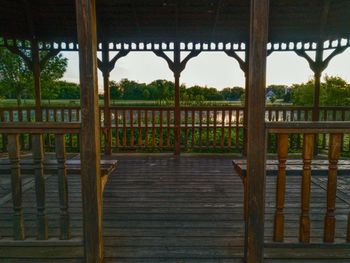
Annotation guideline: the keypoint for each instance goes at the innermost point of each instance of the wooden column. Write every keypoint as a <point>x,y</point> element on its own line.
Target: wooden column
<point>256,149</point>
<point>246,96</point>
<point>106,97</point>
<point>177,110</point>
<point>90,131</point>
<point>317,82</point>
<point>36,74</point>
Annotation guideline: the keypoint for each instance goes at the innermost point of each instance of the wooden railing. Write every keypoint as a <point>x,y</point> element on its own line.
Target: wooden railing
<point>152,128</point>
<point>37,166</point>
<point>335,132</point>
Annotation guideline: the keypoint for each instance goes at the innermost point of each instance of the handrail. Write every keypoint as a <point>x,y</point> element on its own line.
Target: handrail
<point>308,127</point>
<point>39,127</point>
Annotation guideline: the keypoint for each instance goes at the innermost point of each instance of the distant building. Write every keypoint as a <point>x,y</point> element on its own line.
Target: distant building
<point>269,94</point>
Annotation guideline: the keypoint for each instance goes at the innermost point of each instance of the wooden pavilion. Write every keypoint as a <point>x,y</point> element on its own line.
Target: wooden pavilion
<point>255,27</point>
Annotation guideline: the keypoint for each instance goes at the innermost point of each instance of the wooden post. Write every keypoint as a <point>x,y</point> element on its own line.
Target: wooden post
<point>177,110</point>
<point>278,234</point>
<point>40,189</point>
<point>60,149</point>
<point>333,157</point>
<point>36,75</point>
<point>106,108</point>
<point>90,131</point>
<point>304,223</point>
<point>246,96</point>
<point>256,150</point>
<point>16,185</point>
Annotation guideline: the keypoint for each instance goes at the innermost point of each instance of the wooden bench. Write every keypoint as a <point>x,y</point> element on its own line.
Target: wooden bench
<point>73,166</point>
<point>293,168</point>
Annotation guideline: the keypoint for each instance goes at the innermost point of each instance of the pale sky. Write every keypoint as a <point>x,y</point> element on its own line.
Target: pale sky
<point>214,69</point>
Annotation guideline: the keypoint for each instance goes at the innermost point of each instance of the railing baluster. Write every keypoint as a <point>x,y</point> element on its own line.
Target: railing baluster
<point>222,140</point>
<point>124,128</point>
<point>333,157</point>
<point>131,128</point>
<point>193,117</point>
<point>62,186</point>
<point>229,139</point>
<point>160,128</point>
<point>282,140</point>
<point>308,149</point>
<point>153,128</point>
<point>214,130</point>
<point>186,129</point>
<point>208,127</point>
<point>146,128</point>
<point>168,128</point>
<point>200,127</point>
<point>139,129</point>
<point>38,159</point>
<point>116,121</point>
<point>16,184</point>
<point>237,129</point>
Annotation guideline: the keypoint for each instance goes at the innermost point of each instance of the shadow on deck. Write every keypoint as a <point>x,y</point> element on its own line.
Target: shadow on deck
<point>188,209</point>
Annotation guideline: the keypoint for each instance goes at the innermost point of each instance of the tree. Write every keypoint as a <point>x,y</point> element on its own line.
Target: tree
<point>15,76</point>
<point>67,90</point>
<point>232,94</point>
<point>16,79</point>
<point>50,74</point>
<point>302,94</point>
<point>335,92</point>
<point>116,90</point>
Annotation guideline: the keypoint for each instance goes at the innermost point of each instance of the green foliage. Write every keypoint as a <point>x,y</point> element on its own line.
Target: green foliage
<point>232,94</point>
<point>16,79</point>
<point>334,92</point>
<point>67,90</point>
<point>278,90</point>
<point>302,94</point>
<point>116,90</point>
<point>50,74</point>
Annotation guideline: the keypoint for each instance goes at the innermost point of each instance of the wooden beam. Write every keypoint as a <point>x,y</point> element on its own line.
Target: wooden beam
<point>259,16</point>
<point>90,132</point>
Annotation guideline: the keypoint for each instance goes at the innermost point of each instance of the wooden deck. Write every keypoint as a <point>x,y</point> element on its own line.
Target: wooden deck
<point>159,208</point>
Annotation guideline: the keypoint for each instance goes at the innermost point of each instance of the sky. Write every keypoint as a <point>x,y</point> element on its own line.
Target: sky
<point>212,69</point>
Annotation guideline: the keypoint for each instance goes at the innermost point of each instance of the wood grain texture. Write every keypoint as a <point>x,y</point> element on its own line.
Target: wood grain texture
<point>16,186</point>
<point>256,150</point>
<point>333,157</point>
<point>308,149</point>
<point>280,187</point>
<point>40,185</point>
<point>90,131</point>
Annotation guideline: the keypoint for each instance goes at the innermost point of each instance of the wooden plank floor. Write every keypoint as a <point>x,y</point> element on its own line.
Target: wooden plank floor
<point>188,209</point>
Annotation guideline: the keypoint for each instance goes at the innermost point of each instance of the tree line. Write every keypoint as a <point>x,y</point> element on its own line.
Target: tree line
<point>16,82</point>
